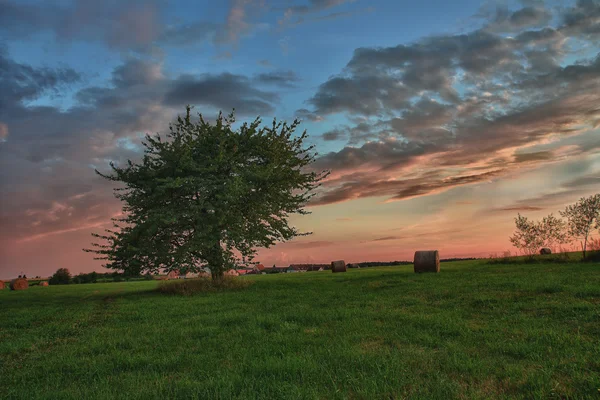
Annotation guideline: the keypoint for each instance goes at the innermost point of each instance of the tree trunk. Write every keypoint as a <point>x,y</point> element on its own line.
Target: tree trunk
<point>216,263</point>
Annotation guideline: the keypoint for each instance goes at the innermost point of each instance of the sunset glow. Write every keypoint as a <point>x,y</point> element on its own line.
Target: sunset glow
<point>439,121</point>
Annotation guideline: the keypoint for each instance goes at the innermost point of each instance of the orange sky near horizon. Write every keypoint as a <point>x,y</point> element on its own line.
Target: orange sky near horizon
<point>439,122</point>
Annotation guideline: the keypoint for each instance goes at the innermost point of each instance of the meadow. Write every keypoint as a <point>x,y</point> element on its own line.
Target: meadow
<point>473,331</point>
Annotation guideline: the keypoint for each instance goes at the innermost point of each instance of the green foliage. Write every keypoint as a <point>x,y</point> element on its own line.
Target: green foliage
<point>188,287</point>
<point>62,276</point>
<point>208,195</point>
<point>527,236</point>
<point>582,217</point>
<point>473,331</point>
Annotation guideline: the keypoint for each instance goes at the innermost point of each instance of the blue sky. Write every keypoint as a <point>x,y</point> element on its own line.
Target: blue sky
<point>431,115</point>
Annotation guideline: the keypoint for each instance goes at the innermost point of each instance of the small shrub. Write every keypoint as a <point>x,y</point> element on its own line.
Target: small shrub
<point>188,287</point>
<point>62,276</point>
<point>593,256</point>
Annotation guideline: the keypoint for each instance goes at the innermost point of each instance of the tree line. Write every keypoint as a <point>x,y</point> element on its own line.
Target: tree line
<point>63,276</point>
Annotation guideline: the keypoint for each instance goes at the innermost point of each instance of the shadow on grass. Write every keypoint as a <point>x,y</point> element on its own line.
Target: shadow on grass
<point>190,287</point>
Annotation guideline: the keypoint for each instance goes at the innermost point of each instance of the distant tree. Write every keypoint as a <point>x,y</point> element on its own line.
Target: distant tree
<point>62,276</point>
<point>20,276</point>
<point>582,217</point>
<point>208,195</point>
<point>24,276</point>
<point>528,236</point>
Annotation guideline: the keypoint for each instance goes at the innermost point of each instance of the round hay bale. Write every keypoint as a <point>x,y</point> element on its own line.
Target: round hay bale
<point>545,250</point>
<point>338,266</point>
<point>427,261</point>
<point>43,283</point>
<point>19,284</point>
<point>2,285</point>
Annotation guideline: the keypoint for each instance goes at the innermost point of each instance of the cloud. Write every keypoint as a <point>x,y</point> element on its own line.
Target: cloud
<point>387,238</point>
<point>297,14</point>
<point>519,208</point>
<point>453,110</point>
<point>136,25</point>
<point>582,19</point>
<point>21,82</point>
<point>303,113</point>
<point>537,156</point>
<point>287,79</point>
<point>47,180</point>
<point>306,245</point>
<point>3,131</point>
<point>223,91</point>
<point>264,63</point>
<point>503,20</point>
<point>131,25</point>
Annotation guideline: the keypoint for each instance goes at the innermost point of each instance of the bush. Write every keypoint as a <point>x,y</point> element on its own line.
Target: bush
<point>593,256</point>
<point>62,276</point>
<point>188,287</point>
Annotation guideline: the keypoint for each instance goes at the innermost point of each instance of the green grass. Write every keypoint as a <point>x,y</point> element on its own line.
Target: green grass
<point>474,331</point>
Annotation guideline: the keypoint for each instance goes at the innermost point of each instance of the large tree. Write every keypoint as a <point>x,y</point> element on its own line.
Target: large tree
<point>208,195</point>
<point>581,218</point>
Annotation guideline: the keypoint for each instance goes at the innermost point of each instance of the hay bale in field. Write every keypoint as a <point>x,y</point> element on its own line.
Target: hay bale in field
<point>545,250</point>
<point>427,261</point>
<point>338,266</point>
<point>2,285</point>
<point>19,284</point>
<point>43,283</point>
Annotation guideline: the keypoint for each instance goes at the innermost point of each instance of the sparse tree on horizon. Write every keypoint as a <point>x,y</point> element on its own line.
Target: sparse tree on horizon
<point>208,195</point>
<point>528,236</point>
<point>552,232</point>
<point>582,217</point>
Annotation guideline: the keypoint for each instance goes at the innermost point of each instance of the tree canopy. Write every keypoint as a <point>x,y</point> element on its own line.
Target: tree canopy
<point>208,195</point>
<point>581,218</point>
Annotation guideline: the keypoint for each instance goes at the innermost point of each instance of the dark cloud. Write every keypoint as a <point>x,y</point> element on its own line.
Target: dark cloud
<point>582,19</point>
<point>370,95</point>
<point>21,82</point>
<point>537,156</point>
<point>504,20</point>
<point>190,33</point>
<point>518,209</point>
<point>387,238</point>
<point>461,102</point>
<point>287,79</point>
<point>48,155</point>
<point>297,14</point>
<point>303,113</point>
<point>130,25</point>
<point>333,135</point>
<point>583,181</point>
<point>223,91</point>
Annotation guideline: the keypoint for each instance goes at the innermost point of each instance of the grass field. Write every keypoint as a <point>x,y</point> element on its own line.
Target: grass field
<point>473,331</point>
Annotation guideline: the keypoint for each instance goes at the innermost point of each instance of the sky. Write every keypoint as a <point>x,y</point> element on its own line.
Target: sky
<point>439,121</point>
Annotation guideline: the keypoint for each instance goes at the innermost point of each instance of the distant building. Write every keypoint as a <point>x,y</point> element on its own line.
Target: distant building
<point>309,267</point>
<point>173,274</point>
